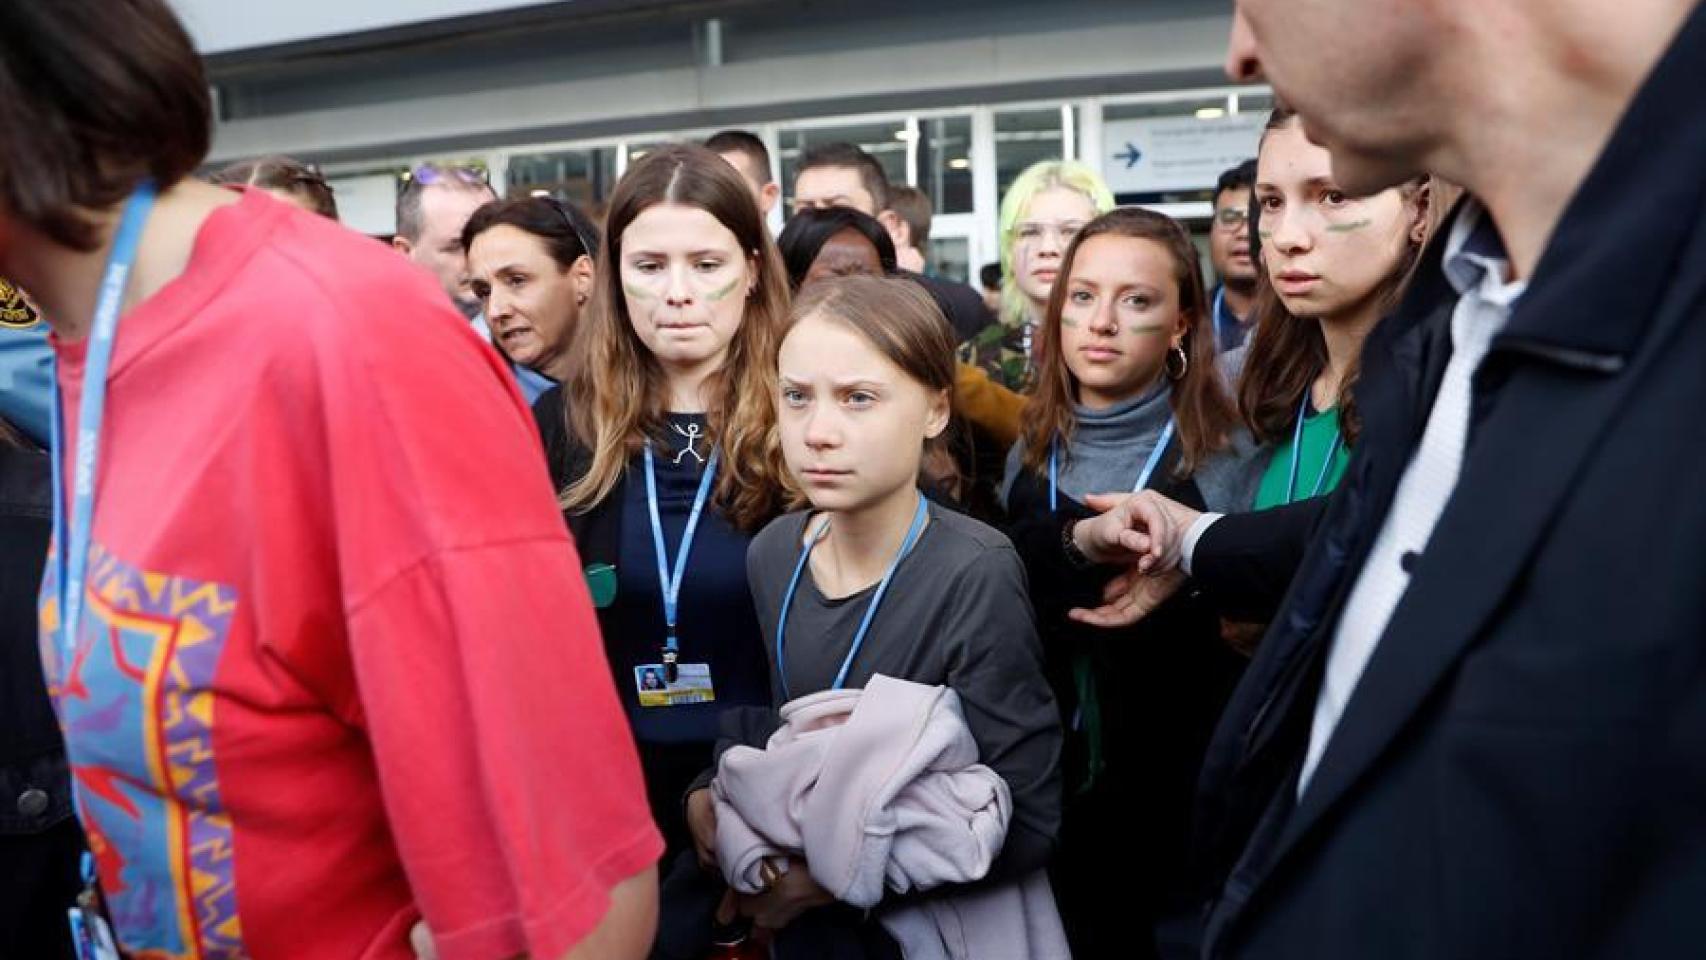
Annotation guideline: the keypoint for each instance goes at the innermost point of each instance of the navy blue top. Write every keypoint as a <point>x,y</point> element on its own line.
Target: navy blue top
<point>715,623</point>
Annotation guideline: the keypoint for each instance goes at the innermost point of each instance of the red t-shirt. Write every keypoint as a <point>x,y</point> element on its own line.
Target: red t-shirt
<point>338,667</point>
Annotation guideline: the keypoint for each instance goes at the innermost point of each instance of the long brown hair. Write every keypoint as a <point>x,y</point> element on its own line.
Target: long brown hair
<point>904,324</point>
<point>616,395</point>
<point>1288,352</point>
<point>1200,403</point>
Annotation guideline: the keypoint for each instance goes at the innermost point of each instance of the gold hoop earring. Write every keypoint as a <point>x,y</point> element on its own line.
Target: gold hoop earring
<point>1183,365</point>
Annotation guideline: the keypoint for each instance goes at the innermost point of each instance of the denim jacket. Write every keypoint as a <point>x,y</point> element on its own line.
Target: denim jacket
<point>35,785</point>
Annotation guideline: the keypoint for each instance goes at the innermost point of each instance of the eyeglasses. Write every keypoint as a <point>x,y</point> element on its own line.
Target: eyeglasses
<point>429,174</point>
<point>1030,231</point>
<point>1231,219</point>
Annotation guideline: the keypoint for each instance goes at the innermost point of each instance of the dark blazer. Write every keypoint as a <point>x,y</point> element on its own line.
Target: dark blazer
<point>1244,562</point>
<point>1521,771</point>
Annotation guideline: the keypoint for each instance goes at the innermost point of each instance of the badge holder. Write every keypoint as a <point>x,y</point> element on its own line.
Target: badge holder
<point>91,933</point>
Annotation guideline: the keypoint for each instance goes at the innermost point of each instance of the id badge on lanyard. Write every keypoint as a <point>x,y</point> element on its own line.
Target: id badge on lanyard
<point>91,934</point>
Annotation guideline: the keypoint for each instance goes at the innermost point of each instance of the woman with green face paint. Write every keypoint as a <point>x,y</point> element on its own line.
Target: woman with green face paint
<point>662,444</point>
<point>1328,268</point>
<point>1040,214</point>
<point>1128,397</point>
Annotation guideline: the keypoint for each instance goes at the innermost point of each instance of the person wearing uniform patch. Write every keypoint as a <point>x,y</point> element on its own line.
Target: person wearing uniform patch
<point>26,365</point>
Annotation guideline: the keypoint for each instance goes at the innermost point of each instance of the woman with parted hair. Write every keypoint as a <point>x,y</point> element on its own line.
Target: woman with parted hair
<point>1128,397</point>
<point>662,445</point>
<point>530,265</point>
<point>1329,267</point>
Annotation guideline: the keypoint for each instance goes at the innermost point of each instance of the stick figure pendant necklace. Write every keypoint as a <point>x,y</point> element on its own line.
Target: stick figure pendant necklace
<point>693,433</point>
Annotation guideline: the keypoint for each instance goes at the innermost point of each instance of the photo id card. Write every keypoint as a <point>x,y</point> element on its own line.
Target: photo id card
<point>692,685</point>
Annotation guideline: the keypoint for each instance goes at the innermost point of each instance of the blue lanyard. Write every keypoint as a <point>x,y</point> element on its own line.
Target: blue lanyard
<point>1297,454</point>
<point>74,549</point>
<point>906,546</point>
<point>670,581</point>
<point>1142,478</point>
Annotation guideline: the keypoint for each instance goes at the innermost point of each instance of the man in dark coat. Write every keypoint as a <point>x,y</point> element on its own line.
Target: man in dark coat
<point>1477,726</point>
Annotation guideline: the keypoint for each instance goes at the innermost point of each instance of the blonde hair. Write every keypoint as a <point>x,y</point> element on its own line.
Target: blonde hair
<point>1038,177</point>
<point>616,397</point>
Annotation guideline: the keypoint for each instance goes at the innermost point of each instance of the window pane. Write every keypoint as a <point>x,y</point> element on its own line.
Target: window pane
<point>950,258</point>
<point>1255,103</point>
<point>944,163</point>
<point>1023,138</point>
<point>584,176</point>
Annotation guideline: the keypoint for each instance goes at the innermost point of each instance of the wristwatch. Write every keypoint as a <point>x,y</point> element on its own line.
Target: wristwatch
<point>1078,558</point>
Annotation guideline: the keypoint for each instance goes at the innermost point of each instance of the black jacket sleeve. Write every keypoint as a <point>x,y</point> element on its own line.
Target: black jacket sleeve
<point>562,454</point>
<point>1244,562</point>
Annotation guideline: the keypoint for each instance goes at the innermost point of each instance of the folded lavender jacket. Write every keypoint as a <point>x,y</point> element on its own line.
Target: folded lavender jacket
<point>881,788</point>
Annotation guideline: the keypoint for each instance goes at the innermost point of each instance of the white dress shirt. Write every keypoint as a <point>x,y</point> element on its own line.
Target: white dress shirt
<point>1477,267</point>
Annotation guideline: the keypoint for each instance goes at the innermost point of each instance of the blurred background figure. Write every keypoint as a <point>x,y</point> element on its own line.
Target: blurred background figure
<point>911,227</point>
<point>1229,249</point>
<point>294,182</point>
<point>432,208</point>
<point>748,154</point>
<point>837,242</point>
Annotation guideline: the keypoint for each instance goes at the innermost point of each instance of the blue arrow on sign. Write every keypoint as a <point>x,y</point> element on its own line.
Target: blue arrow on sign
<point>1130,155</point>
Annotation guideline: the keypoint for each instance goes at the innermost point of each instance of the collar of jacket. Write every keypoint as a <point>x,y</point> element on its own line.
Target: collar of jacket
<point>1600,279</point>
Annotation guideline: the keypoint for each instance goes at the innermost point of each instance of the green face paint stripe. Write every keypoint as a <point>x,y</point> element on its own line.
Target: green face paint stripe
<point>716,295</point>
<point>1265,234</point>
<point>1349,227</point>
<point>638,293</point>
<point>1146,328</point>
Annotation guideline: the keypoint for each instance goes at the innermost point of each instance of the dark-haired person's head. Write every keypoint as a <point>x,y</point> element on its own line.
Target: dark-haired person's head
<point>530,264</point>
<point>841,175</point>
<point>836,242</point>
<point>748,154</point>
<point>433,206</point>
<point>288,179</point>
<point>95,97</point>
<point>1229,235</point>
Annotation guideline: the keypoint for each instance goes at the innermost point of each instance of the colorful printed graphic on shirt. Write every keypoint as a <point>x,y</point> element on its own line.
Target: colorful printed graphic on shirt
<point>137,708</point>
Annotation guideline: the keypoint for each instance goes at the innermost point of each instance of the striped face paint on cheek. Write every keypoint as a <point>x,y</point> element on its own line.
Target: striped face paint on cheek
<point>1351,227</point>
<point>637,292</point>
<point>1148,329</point>
<point>722,293</point>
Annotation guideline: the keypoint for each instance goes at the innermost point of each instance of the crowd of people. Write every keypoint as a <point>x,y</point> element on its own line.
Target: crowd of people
<point>557,585</point>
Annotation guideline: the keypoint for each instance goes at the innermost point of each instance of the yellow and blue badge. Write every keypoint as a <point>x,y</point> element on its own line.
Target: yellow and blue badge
<point>16,311</point>
<point>26,365</point>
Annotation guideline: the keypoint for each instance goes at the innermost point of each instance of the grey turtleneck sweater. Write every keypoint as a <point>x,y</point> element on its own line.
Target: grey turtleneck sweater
<point>1109,448</point>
